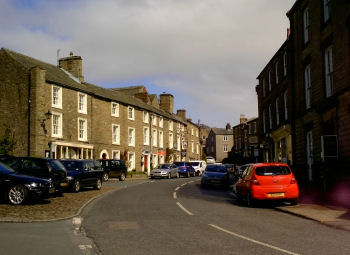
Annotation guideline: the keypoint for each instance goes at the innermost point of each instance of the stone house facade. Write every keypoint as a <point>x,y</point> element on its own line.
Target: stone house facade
<point>219,143</point>
<point>54,113</point>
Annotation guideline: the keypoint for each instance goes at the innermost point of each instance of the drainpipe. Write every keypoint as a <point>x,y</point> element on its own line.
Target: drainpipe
<point>29,116</point>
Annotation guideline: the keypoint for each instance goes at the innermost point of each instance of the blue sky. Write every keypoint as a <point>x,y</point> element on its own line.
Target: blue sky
<point>207,53</point>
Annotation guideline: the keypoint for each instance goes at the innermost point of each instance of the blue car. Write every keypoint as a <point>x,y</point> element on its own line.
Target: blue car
<point>215,175</point>
<point>185,169</point>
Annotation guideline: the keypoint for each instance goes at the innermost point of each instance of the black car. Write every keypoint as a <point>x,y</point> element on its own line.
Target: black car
<point>114,168</point>
<point>185,168</point>
<point>38,167</point>
<point>215,175</point>
<point>18,189</point>
<point>83,173</point>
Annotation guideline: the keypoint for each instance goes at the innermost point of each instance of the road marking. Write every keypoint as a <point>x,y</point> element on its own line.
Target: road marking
<point>184,209</point>
<point>190,181</point>
<point>85,247</point>
<point>183,184</point>
<point>174,195</point>
<point>253,241</point>
<point>177,188</point>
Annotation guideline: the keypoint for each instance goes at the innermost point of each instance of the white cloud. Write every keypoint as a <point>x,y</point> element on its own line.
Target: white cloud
<point>208,53</point>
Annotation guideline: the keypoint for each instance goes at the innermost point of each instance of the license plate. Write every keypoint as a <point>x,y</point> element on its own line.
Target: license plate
<point>63,184</point>
<point>276,194</point>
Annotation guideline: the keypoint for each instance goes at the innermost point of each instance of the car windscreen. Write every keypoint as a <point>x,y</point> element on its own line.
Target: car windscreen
<point>5,170</point>
<point>164,166</point>
<point>194,163</point>
<point>73,165</point>
<point>179,163</point>
<point>216,168</point>
<point>272,170</point>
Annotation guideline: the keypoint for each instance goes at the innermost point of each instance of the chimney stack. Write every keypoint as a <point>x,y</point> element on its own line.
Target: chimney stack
<point>167,103</point>
<point>182,114</point>
<point>73,64</point>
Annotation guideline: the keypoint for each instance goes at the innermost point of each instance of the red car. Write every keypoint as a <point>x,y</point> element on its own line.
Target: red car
<point>267,181</point>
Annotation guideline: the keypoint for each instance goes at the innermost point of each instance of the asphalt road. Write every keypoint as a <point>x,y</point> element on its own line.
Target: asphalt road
<point>179,217</point>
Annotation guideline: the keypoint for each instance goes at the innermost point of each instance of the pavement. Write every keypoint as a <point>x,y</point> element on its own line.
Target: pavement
<point>314,207</point>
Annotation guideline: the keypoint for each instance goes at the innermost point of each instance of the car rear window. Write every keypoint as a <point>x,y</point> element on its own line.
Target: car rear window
<point>194,163</point>
<point>73,165</point>
<point>179,163</point>
<point>216,168</point>
<point>272,170</point>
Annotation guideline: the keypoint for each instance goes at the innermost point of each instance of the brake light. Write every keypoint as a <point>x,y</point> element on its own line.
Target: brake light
<point>255,181</point>
<point>184,167</point>
<point>293,181</point>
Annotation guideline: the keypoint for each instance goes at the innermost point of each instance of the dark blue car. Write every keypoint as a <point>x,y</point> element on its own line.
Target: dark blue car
<point>17,188</point>
<point>215,175</point>
<point>185,169</point>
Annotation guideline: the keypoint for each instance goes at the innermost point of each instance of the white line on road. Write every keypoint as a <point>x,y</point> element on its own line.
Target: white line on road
<point>184,209</point>
<point>174,195</point>
<point>190,181</point>
<point>253,241</point>
<point>183,184</point>
<point>177,188</point>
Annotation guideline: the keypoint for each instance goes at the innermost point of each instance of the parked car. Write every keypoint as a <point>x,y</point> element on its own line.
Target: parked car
<point>185,168</point>
<point>165,171</point>
<point>39,167</point>
<point>83,173</point>
<point>18,189</point>
<point>215,175</point>
<point>210,160</point>
<point>267,181</point>
<point>199,166</point>
<point>114,168</point>
<point>237,175</point>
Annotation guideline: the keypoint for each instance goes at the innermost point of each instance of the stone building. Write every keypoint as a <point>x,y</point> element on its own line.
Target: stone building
<point>219,143</point>
<point>314,117</point>
<point>54,113</point>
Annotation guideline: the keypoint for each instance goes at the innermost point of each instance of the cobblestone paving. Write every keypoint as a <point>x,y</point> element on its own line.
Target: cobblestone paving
<point>53,208</point>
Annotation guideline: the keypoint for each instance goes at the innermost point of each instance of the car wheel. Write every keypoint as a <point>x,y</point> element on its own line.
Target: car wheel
<point>17,195</point>
<point>122,177</point>
<point>76,186</point>
<point>250,200</point>
<point>294,202</point>
<point>105,177</point>
<point>98,184</point>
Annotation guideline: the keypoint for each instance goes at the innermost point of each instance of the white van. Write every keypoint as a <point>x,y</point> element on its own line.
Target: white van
<point>199,166</point>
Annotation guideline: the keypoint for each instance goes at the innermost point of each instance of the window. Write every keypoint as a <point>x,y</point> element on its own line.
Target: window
<point>196,132</point>
<point>146,136</point>
<point>178,129</point>
<point>192,146</point>
<point>56,125</point>
<point>309,153</point>
<point>56,97</point>
<point>270,80</point>
<point>145,117</point>
<point>306,25</point>
<point>270,116</point>
<point>154,137</point>
<point>171,141</point>
<point>254,127</point>
<point>115,134</point>
<point>171,125</point>
<point>285,100</point>
<point>225,148</point>
<point>160,122</point>
<point>161,139</point>
<point>264,121</point>
<point>225,138</point>
<point>131,113</point>
<point>328,62</point>
<point>277,112</point>
<point>178,142</point>
<point>276,72</point>
<point>326,11</point>
<point>131,132</point>
<point>116,154</point>
<point>263,87</point>
<point>285,64</point>
<point>131,161</point>
<point>82,103</point>
<point>154,120</point>
<point>115,109</point>
<point>197,148</point>
<point>307,82</point>
<point>82,129</point>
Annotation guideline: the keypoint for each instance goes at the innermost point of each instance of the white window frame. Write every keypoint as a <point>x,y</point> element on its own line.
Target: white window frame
<point>171,125</point>
<point>197,133</point>
<point>59,125</point>
<point>285,64</point>
<point>307,82</point>
<point>225,148</point>
<point>145,117</point>
<point>154,137</point>
<point>145,135</point>
<point>84,137</point>
<point>116,152</point>
<point>306,25</point>
<point>82,103</point>
<point>171,140</point>
<point>154,120</point>
<point>276,72</point>
<point>131,113</point>
<point>161,140</point>
<point>178,142</point>
<point>328,63</point>
<point>277,111</point>
<point>114,109</point>
<point>132,137</point>
<point>116,136</point>
<point>326,11</point>
<point>197,148</point>
<point>192,131</point>
<point>192,146</point>
<point>131,161</point>
<point>285,101</point>
<point>160,122</point>
<point>58,97</point>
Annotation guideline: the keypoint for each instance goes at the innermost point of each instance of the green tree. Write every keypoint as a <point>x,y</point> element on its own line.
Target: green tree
<point>7,141</point>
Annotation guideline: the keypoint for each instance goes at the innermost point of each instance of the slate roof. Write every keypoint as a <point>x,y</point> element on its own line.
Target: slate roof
<point>222,131</point>
<point>57,76</point>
